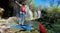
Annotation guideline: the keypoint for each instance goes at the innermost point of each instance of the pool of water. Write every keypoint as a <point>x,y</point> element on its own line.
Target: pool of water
<point>26,27</point>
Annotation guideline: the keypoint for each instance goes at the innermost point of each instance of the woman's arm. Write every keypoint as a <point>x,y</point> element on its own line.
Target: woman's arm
<point>18,3</point>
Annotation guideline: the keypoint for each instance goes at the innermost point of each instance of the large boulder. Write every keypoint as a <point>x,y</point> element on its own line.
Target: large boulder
<point>1,11</point>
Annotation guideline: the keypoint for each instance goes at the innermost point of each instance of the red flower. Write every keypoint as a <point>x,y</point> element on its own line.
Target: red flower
<point>42,29</point>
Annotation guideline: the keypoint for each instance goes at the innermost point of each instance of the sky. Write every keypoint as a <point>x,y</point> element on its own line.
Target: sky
<point>43,3</point>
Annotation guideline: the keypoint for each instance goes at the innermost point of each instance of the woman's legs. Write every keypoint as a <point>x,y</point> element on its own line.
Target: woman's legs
<point>22,17</point>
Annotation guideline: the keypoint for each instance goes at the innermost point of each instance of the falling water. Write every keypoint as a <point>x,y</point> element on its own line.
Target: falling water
<point>16,11</point>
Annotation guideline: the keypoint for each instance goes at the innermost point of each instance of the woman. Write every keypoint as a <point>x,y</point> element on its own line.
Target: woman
<point>22,11</point>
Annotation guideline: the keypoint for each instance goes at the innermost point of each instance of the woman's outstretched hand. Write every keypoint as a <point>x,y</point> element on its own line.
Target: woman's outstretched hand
<point>16,2</point>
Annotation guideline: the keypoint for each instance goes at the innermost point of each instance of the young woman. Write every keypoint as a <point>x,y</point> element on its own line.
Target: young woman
<point>22,11</point>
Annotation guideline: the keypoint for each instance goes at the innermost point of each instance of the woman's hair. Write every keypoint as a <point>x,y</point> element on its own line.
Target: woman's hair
<point>23,3</point>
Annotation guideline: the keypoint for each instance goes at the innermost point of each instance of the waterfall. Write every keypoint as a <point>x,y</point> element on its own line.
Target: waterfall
<point>29,14</point>
<point>39,14</point>
<point>16,11</point>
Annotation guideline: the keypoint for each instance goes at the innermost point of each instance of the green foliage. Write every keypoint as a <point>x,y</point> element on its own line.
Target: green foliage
<point>28,1</point>
<point>33,6</point>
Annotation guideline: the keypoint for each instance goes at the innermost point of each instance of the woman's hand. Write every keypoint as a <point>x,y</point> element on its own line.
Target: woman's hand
<point>16,2</point>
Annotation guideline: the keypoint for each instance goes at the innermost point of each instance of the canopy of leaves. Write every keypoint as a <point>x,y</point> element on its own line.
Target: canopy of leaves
<point>33,6</point>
